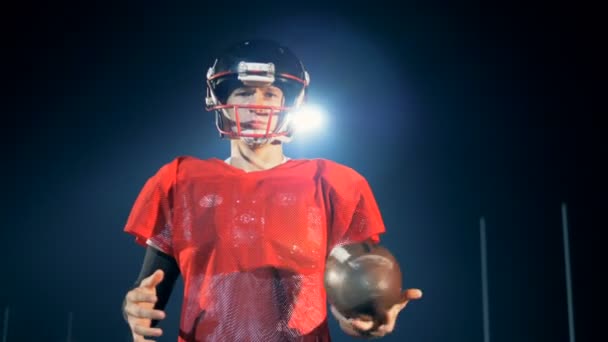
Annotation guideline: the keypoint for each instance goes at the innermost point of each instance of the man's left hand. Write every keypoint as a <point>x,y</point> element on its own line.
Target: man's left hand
<point>367,328</point>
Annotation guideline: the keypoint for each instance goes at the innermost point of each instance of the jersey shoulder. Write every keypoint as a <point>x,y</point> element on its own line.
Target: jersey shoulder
<point>188,167</point>
<point>337,173</point>
<point>336,177</point>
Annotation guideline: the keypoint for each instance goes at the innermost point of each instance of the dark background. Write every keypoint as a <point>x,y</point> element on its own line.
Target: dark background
<point>452,112</point>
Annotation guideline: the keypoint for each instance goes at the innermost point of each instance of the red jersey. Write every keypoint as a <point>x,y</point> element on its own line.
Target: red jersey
<point>251,246</point>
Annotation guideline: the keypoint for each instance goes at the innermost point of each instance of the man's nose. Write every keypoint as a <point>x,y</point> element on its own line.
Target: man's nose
<point>256,98</point>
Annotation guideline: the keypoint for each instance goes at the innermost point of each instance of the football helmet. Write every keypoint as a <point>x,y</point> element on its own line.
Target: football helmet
<point>256,63</point>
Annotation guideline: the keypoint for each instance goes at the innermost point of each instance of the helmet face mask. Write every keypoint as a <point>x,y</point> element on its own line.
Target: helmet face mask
<point>256,64</point>
<point>233,122</point>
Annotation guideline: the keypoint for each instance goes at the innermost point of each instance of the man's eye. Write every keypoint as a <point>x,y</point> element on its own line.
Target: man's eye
<point>244,93</point>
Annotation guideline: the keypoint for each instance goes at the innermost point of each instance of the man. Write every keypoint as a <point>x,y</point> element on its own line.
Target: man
<point>250,234</point>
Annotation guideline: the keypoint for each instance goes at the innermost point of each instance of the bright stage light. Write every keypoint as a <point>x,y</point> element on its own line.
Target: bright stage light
<point>309,118</point>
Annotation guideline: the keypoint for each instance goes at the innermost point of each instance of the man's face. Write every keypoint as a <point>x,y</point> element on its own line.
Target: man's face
<point>255,120</point>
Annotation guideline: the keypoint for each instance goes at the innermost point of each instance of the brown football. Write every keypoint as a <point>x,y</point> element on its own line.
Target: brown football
<point>362,280</point>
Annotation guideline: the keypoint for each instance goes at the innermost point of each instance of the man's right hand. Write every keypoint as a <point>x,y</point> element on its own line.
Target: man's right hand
<point>139,308</point>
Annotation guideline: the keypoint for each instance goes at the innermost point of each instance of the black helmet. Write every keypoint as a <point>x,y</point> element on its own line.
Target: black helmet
<point>256,63</point>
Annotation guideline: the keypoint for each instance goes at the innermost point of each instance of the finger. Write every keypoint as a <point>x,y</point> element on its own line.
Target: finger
<point>359,324</point>
<point>409,294</point>
<point>140,296</point>
<point>142,339</point>
<point>139,338</point>
<point>137,311</point>
<point>349,329</point>
<point>153,280</point>
<point>385,328</point>
<point>145,331</point>
<point>376,333</point>
<point>413,294</point>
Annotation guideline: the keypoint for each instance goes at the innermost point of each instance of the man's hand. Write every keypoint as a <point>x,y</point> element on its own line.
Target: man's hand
<point>367,328</point>
<point>139,308</point>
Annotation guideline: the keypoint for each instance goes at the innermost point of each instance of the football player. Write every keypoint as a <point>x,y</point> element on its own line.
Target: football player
<point>250,234</point>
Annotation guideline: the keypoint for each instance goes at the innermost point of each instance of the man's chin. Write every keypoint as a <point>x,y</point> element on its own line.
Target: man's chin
<point>254,142</point>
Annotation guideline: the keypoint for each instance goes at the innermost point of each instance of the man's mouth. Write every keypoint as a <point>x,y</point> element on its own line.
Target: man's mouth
<point>256,124</point>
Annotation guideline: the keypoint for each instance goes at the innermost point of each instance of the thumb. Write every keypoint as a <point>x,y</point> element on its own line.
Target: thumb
<point>412,294</point>
<point>154,279</point>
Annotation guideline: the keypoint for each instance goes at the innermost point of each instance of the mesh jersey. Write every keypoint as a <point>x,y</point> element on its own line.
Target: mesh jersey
<point>251,247</point>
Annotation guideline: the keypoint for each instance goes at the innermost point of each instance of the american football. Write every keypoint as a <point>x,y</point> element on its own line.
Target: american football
<point>362,280</point>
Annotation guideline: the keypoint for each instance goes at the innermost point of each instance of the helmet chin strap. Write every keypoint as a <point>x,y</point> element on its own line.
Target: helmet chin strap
<point>254,142</point>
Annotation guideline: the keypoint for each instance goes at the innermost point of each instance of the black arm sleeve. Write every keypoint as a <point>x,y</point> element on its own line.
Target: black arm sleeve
<point>154,260</point>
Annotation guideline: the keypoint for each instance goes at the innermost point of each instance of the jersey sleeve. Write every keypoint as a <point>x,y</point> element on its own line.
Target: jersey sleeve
<point>355,215</point>
<point>150,217</point>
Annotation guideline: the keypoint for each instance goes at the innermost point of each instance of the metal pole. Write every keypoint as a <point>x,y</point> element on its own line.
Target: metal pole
<point>484,280</point>
<point>5,329</point>
<point>70,327</point>
<point>568,273</point>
